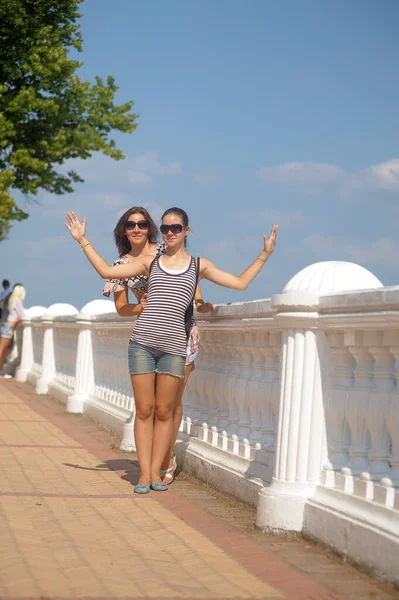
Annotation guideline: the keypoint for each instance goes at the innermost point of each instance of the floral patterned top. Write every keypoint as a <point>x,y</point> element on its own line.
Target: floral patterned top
<point>138,285</point>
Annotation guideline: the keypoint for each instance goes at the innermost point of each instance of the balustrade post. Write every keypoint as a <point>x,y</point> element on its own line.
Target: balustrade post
<point>25,366</point>
<point>300,440</point>
<point>27,356</point>
<point>48,357</point>
<point>84,372</point>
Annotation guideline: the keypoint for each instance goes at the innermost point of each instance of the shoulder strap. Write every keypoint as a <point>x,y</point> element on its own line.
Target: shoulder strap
<point>152,264</point>
<point>197,270</point>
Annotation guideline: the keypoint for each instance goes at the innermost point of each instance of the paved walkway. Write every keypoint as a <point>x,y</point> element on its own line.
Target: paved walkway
<point>70,526</point>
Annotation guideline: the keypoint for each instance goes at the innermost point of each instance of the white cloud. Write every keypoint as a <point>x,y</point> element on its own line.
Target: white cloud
<point>141,170</point>
<point>207,178</point>
<point>386,174</point>
<point>294,172</point>
<point>382,251</point>
<point>381,176</point>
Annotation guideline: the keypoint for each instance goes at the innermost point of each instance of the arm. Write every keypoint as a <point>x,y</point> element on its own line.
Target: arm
<point>123,307</point>
<point>106,271</point>
<point>240,282</point>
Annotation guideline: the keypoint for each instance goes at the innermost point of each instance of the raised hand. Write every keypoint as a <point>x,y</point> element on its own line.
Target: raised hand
<point>205,308</point>
<point>270,242</point>
<point>76,228</point>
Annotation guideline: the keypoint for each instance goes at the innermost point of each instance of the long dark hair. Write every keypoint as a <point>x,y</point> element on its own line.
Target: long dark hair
<point>180,213</point>
<point>121,241</point>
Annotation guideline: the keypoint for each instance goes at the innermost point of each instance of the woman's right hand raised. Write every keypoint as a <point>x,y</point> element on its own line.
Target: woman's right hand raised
<point>76,228</point>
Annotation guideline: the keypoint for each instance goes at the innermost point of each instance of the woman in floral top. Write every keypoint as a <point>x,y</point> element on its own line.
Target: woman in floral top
<point>136,236</point>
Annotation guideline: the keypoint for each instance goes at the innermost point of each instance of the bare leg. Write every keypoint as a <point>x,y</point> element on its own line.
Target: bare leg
<point>165,395</point>
<point>4,343</point>
<point>144,398</point>
<point>177,416</point>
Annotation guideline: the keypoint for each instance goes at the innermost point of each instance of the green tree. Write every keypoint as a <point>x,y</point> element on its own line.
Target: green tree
<point>47,113</point>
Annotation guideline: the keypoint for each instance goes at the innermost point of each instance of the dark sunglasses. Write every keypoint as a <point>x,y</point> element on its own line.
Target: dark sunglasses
<point>130,225</point>
<point>175,228</point>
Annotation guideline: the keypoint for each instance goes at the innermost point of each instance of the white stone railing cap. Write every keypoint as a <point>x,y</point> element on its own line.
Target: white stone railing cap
<point>60,310</point>
<point>98,308</point>
<point>332,276</point>
<point>324,278</point>
<point>248,309</point>
<point>33,312</point>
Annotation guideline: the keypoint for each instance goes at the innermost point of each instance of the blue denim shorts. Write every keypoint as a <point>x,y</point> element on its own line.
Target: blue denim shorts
<point>7,331</point>
<point>143,359</point>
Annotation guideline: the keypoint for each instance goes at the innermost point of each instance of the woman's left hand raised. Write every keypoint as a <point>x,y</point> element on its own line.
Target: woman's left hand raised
<point>206,307</point>
<point>76,228</point>
<point>270,242</point>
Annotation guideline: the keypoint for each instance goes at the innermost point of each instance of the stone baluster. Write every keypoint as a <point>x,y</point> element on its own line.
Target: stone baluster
<point>223,358</point>
<point>255,397</point>
<point>337,429</point>
<point>392,338</point>
<point>213,381</point>
<point>232,386</point>
<point>379,401</point>
<point>245,361</point>
<point>357,404</point>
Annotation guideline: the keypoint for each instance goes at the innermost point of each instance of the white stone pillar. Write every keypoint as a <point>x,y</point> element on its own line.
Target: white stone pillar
<point>48,358</point>
<point>306,368</point>
<point>84,372</point>
<point>301,428</point>
<point>26,363</point>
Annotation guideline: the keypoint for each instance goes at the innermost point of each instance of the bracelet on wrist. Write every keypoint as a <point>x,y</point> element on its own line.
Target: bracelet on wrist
<point>261,259</point>
<point>83,246</point>
<point>199,301</point>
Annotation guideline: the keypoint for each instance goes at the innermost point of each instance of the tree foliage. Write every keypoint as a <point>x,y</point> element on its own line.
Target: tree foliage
<point>48,114</point>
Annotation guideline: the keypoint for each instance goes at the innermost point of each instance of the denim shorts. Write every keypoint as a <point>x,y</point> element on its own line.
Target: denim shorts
<point>7,331</point>
<point>143,359</point>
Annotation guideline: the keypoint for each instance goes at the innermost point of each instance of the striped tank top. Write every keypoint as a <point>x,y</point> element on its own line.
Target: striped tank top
<point>161,324</point>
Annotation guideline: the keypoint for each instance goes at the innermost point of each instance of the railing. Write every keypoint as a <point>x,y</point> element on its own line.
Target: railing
<point>293,406</point>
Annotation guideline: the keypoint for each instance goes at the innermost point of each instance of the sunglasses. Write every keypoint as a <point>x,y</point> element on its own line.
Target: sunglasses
<point>130,225</point>
<point>175,228</point>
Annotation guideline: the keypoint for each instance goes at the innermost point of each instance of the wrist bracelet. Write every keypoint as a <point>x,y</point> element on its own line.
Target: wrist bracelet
<point>83,246</point>
<point>261,259</point>
<point>199,301</point>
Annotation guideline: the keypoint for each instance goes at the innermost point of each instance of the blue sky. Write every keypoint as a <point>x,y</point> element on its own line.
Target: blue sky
<point>251,113</point>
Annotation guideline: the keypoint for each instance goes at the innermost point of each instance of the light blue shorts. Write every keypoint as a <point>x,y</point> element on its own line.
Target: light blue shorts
<point>143,359</point>
<point>7,331</point>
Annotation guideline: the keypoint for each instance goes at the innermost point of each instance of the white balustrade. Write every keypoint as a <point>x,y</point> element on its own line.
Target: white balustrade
<point>293,405</point>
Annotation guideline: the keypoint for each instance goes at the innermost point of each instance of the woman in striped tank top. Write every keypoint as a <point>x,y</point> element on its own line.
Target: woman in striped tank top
<point>158,344</point>
<point>136,236</point>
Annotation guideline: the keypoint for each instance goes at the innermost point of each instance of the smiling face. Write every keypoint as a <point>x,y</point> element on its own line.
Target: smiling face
<point>137,234</point>
<point>173,231</point>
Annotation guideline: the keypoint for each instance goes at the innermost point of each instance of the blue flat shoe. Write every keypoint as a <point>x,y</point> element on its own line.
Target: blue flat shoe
<point>159,487</point>
<point>141,489</point>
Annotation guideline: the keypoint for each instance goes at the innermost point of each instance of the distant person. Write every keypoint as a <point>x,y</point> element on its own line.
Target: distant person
<point>5,292</point>
<point>14,309</point>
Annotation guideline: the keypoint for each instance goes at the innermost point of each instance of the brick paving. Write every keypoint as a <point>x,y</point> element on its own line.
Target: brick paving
<point>72,528</point>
